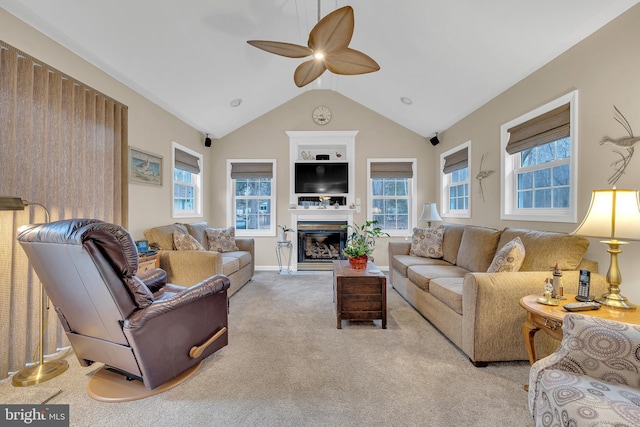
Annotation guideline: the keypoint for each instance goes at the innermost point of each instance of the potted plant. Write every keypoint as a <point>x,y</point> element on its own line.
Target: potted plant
<point>283,232</point>
<point>361,243</point>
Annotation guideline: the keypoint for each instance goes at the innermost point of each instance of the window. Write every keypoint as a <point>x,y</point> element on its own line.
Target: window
<point>187,182</point>
<point>253,197</point>
<point>455,182</point>
<point>540,163</point>
<point>391,192</point>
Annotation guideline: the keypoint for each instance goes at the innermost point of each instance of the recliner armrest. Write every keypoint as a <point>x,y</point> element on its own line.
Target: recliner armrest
<point>213,285</point>
<point>154,278</point>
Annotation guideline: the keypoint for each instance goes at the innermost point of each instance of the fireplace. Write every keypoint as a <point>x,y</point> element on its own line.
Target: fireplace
<point>319,243</point>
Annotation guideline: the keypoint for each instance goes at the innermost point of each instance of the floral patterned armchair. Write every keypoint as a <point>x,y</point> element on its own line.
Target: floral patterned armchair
<point>592,379</point>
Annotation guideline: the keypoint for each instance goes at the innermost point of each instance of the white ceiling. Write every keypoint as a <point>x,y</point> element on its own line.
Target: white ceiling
<point>191,57</point>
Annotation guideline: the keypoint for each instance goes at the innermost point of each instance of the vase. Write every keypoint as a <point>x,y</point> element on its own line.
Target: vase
<point>359,263</point>
<point>283,237</point>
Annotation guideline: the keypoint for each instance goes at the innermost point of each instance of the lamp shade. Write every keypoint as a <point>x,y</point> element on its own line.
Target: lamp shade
<point>12,204</point>
<point>429,213</point>
<point>613,214</point>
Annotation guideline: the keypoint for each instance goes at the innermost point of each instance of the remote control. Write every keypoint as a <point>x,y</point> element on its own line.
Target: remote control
<point>580,306</point>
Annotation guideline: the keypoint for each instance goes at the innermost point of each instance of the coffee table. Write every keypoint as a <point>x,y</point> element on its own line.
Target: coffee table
<point>359,294</point>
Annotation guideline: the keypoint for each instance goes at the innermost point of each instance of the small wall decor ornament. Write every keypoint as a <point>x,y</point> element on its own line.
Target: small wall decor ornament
<point>626,142</point>
<point>482,174</point>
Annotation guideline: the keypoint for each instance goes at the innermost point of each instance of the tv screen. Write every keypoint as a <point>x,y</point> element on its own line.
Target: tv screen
<point>322,178</point>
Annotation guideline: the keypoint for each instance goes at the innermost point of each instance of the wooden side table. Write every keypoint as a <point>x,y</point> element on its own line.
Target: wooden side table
<point>148,262</point>
<point>549,318</point>
<point>359,294</point>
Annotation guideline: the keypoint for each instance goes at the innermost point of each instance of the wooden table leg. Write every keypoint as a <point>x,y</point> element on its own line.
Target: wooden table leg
<point>529,330</point>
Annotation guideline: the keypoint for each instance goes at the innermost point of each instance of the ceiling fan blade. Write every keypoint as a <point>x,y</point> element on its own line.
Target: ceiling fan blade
<point>289,50</point>
<point>333,32</point>
<point>307,72</point>
<point>350,61</point>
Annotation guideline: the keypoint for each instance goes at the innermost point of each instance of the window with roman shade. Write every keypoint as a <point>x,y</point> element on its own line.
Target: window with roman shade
<point>391,193</point>
<point>539,163</point>
<point>455,181</point>
<point>187,182</point>
<point>252,184</point>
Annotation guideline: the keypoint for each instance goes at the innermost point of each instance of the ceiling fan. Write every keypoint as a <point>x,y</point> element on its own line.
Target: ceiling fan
<point>329,44</point>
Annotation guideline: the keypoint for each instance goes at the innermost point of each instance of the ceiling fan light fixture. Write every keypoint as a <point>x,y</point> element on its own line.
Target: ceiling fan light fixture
<point>328,45</point>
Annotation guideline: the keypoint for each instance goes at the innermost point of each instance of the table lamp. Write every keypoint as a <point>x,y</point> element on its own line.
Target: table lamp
<point>429,213</point>
<point>43,371</point>
<point>613,214</point>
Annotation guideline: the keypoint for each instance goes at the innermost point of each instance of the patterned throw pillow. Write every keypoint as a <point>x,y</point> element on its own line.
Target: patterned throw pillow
<point>186,242</point>
<point>508,258</point>
<point>222,239</point>
<point>427,242</point>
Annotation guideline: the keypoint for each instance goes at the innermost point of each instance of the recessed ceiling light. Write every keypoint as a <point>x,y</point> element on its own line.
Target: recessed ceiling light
<point>235,102</point>
<point>406,101</point>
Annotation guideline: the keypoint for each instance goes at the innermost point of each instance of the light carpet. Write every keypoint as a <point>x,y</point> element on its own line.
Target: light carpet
<point>288,365</point>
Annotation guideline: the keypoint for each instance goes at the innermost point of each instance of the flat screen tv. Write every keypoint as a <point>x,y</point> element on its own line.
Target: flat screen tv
<point>322,178</point>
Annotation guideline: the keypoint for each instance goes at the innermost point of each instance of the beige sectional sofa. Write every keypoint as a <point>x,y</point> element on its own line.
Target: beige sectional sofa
<point>188,267</point>
<point>479,311</point>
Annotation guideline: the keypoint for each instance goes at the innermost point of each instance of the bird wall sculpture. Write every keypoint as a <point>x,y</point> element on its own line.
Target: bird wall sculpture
<point>482,174</point>
<point>625,142</point>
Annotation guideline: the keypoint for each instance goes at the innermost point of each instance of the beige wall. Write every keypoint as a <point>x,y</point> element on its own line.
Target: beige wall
<point>150,128</point>
<point>265,137</point>
<point>604,69</point>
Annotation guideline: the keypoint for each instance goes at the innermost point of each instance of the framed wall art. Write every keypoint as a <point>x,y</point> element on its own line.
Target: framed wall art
<point>144,168</point>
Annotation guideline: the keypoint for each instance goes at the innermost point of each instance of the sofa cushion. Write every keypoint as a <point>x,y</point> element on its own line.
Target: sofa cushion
<point>162,237</point>
<point>186,242</point>
<point>230,265</point>
<point>402,262</point>
<point>427,242</point>
<point>448,290</point>
<point>477,247</point>
<point>243,257</point>
<point>508,258</point>
<point>421,275</point>
<point>222,239</point>
<point>545,249</point>
<point>451,242</point>
<point>199,231</point>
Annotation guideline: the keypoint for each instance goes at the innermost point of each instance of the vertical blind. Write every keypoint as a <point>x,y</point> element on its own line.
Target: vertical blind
<point>63,145</point>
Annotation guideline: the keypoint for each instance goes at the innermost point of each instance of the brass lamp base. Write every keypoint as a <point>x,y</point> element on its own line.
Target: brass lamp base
<point>39,373</point>
<point>616,301</point>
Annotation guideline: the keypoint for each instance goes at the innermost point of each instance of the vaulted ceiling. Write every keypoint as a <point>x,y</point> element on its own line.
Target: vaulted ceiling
<point>191,57</point>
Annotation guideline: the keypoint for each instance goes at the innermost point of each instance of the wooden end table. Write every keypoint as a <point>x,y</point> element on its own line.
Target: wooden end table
<point>549,318</point>
<point>359,294</point>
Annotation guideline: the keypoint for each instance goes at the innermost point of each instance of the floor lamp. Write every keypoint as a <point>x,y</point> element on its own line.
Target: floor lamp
<point>43,371</point>
<point>613,214</point>
<point>429,213</point>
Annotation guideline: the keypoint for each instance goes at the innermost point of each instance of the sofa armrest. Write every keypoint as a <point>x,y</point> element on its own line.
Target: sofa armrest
<point>187,268</point>
<point>398,248</point>
<point>246,245</point>
<point>493,318</point>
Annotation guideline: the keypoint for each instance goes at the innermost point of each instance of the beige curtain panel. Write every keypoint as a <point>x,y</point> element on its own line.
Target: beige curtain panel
<point>548,127</point>
<point>62,145</point>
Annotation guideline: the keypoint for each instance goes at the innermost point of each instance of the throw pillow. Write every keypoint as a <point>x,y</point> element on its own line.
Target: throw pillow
<point>508,258</point>
<point>222,239</point>
<point>427,242</point>
<point>186,242</point>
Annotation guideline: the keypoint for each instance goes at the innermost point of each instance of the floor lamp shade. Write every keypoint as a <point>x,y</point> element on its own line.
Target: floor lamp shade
<point>429,213</point>
<point>613,215</point>
<point>43,371</point>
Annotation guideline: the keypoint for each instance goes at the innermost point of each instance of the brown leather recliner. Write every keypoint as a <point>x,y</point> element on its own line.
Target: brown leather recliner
<point>147,329</point>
